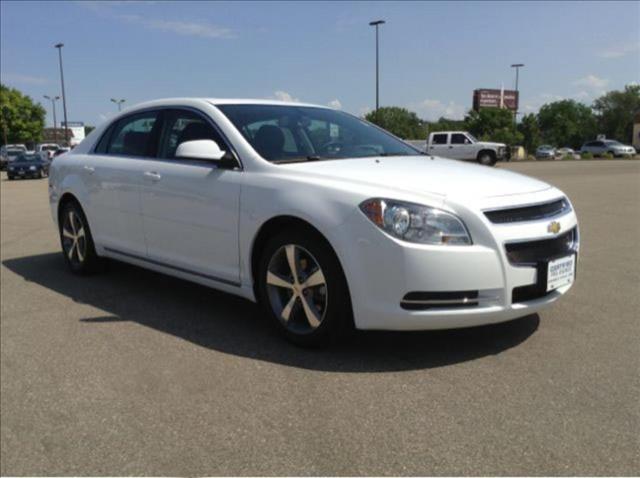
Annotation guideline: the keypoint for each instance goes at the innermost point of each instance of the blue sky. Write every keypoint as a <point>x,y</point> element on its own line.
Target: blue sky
<point>432,54</point>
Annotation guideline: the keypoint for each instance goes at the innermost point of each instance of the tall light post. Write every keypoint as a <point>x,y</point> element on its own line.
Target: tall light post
<point>53,100</point>
<point>376,24</point>
<point>64,96</point>
<point>517,66</point>
<point>118,102</point>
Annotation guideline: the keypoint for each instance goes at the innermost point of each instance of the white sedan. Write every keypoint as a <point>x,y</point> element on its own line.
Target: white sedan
<point>326,220</point>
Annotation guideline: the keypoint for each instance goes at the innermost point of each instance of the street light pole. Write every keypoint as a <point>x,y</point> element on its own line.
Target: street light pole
<point>64,96</point>
<point>517,66</point>
<point>377,23</point>
<point>53,100</point>
<point>118,102</point>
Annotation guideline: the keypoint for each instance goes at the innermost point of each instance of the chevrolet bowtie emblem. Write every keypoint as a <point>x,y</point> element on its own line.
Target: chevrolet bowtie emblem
<point>554,227</point>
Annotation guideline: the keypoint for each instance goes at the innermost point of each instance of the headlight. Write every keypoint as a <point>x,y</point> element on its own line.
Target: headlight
<point>32,168</point>
<point>415,223</point>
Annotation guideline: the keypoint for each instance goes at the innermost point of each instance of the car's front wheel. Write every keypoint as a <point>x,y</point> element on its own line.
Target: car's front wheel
<point>76,240</point>
<point>487,158</point>
<point>302,288</point>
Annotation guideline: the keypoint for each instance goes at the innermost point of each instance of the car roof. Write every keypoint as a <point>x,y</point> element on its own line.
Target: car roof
<point>219,101</point>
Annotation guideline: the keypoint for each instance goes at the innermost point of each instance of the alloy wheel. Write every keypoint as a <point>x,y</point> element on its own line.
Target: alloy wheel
<point>74,240</point>
<point>297,289</point>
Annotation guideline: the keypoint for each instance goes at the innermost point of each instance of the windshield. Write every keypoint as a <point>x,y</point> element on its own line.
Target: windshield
<point>545,146</point>
<point>472,137</point>
<point>613,142</point>
<point>12,153</point>
<point>283,133</point>
<point>49,148</point>
<point>28,157</point>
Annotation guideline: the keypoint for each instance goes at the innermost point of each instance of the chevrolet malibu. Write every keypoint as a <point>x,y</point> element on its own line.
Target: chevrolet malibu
<point>324,219</point>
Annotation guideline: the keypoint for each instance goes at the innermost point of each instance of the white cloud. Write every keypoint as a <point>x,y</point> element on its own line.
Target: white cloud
<point>23,79</point>
<point>433,110</point>
<point>621,50</point>
<point>335,104</point>
<point>200,29</point>
<point>196,29</point>
<point>592,82</point>
<point>284,96</point>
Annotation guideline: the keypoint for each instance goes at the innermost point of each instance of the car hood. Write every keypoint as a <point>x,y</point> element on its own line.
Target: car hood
<point>489,144</point>
<point>422,174</point>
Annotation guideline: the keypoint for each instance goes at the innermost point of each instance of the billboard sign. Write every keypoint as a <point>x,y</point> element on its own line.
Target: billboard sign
<point>490,98</point>
<point>77,130</point>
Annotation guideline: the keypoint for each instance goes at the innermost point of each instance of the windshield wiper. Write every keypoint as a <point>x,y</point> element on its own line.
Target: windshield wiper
<point>299,160</point>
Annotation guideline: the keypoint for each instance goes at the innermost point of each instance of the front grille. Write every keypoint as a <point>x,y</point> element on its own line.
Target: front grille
<point>440,300</point>
<point>529,213</point>
<point>534,252</point>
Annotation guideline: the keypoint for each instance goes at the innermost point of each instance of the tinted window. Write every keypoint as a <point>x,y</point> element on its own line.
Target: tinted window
<point>283,133</point>
<point>439,139</point>
<point>457,138</point>
<point>104,141</point>
<point>184,126</point>
<point>133,135</point>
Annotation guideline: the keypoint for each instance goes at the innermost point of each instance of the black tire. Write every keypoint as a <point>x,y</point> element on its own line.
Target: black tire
<point>487,158</point>
<point>330,300</point>
<point>79,253</point>
<point>40,174</point>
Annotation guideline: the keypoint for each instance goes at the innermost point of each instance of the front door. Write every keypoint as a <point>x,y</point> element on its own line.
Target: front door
<point>190,208</point>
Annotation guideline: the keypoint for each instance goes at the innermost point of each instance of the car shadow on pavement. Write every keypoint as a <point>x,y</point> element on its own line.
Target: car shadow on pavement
<point>232,325</point>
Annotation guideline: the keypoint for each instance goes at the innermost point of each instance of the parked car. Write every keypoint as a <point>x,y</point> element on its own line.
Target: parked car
<point>545,151</point>
<point>565,151</point>
<point>28,166</point>
<point>325,220</point>
<point>47,150</point>
<point>60,151</point>
<point>462,145</point>
<point>600,147</point>
<point>9,153</point>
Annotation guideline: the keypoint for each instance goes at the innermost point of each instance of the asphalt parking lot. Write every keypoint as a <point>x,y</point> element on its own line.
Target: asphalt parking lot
<point>131,372</point>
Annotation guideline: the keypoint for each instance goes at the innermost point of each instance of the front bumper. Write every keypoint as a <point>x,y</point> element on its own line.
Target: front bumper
<point>381,271</point>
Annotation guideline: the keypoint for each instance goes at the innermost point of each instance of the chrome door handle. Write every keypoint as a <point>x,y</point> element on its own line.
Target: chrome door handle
<point>90,169</point>
<point>153,175</point>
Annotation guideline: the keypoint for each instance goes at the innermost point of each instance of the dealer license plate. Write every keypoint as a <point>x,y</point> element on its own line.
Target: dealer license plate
<point>561,272</point>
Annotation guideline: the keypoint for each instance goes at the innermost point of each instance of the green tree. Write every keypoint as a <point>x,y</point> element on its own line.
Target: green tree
<point>20,118</point>
<point>566,123</point>
<point>615,112</point>
<point>88,129</point>
<point>446,124</point>
<point>493,124</point>
<point>530,131</point>
<point>399,121</point>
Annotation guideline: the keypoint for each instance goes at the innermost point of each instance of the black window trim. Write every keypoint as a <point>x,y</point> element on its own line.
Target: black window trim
<point>160,110</point>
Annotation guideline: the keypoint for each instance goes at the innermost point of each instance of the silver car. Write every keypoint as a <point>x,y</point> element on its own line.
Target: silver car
<point>604,146</point>
<point>545,151</point>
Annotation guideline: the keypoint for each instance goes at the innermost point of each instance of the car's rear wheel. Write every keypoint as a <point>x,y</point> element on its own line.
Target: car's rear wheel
<point>76,240</point>
<point>302,288</point>
<point>487,158</point>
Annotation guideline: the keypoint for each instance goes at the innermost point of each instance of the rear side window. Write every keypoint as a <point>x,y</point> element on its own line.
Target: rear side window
<point>134,135</point>
<point>439,139</point>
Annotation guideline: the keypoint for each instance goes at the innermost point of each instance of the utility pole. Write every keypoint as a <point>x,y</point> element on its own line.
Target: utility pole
<point>53,100</point>
<point>376,24</point>
<point>64,96</point>
<point>517,66</point>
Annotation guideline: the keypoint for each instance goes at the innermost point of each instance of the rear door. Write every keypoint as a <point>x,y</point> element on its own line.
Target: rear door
<point>190,208</point>
<point>440,145</point>
<point>115,174</point>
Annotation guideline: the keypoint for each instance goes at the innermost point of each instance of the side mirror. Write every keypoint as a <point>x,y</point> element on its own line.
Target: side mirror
<point>205,149</point>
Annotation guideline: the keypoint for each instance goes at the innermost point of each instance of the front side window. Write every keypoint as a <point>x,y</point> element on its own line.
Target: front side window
<point>181,126</point>
<point>439,139</point>
<point>133,136</point>
<point>458,138</point>
<point>283,133</point>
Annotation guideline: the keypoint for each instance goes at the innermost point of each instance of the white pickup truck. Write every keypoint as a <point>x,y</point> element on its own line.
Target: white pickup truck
<point>462,145</point>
